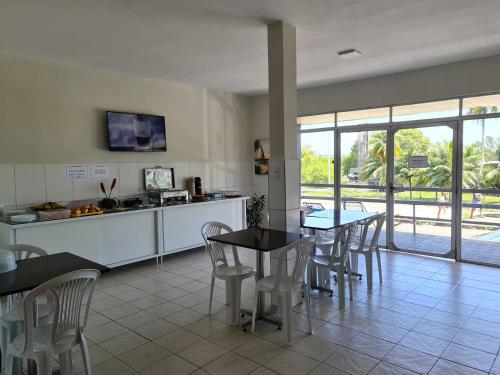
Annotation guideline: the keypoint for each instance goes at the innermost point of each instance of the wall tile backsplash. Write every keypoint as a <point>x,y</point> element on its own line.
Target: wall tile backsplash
<point>27,184</point>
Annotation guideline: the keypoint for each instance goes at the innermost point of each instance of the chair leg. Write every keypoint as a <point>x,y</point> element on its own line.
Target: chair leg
<point>379,261</point>
<point>236,300</point>
<point>354,260</point>
<point>9,362</point>
<point>3,349</point>
<point>369,269</point>
<point>340,284</point>
<point>349,279</point>
<point>44,364</point>
<point>212,282</point>
<point>87,365</point>
<point>307,300</point>
<point>286,308</point>
<point>254,312</point>
<point>66,363</point>
<point>228,292</point>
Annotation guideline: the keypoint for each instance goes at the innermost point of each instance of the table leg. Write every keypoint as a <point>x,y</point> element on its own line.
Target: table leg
<point>258,275</point>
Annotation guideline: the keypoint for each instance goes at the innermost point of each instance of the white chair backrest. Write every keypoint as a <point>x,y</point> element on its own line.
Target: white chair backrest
<point>70,293</point>
<point>353,205</point>
<point>304,249</point>
<point>379,223</point>
<point>23,251</point>
<point>314,206</point>
<point>342,243</point>
<point>216,249</point>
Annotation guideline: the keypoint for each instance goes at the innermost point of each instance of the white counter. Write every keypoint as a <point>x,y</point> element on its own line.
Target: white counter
<point>119,238</point>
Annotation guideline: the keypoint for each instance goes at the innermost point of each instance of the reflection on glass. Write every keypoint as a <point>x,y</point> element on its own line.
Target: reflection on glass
<point>364,158</point>
<point>365,116</point>
<point>481,104</point>
<point>317,158</point>
<point>326,204</point>
<point>445,108</point>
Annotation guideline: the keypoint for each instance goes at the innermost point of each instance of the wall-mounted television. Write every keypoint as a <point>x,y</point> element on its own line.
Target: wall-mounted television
<point>135,132</point>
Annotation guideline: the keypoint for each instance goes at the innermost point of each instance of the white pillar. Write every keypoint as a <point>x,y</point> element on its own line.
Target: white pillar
<point>284,167</point>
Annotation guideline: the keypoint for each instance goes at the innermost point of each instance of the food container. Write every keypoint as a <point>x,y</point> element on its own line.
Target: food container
<point>54,214</point>
<point>20,219</point>
<point>9,213</point>
<point>7,261</point>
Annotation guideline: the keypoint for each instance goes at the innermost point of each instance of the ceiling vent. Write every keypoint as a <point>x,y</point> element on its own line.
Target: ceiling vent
<point>349,53</point>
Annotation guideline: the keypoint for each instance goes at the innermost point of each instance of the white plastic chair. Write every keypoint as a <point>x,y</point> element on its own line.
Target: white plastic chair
<point>232,275</point>
<point>72,294</point>
<point>283,284</point>
<point>12,321</point>
<point>368,249</point>
<point>337,261</point>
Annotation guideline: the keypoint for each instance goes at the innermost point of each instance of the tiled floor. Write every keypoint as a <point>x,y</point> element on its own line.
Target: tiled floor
<point>430,316</point>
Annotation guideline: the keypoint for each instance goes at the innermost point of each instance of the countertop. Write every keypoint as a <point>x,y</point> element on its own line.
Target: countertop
<point>115,212</point>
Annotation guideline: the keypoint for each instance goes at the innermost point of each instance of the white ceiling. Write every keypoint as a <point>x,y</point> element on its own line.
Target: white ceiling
<point>222,43</point>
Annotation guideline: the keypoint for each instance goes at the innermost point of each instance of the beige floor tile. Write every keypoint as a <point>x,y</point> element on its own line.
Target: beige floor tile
<point>324,369</point>
<point>369,345</point>
<point>351,362</point>
<point>292,363</point>
<point>170,365</point>
<point>97,356</point>
<point>137,320</point>
<point>166,309</point>
<point>147,302</point>
<point>178,340</point>
<point>112,366</point>
<point>410,359</point>
<point>444,367</point>
<point>231,337</point>
<point>202,353</point>
<point>385,368</point>
<point>105,332</point>
<point>231,364</point>
<point>259,350</point>
<point>106,303</point>
<point>172,293</point>
<point>424,343</point>
<point>469,357</point>
<point>315,347</point>
<point>206,327</point>
<point>185,317</point>
<point>123,343</point>
<point>144,356</point>
<point>120,311</point>
<point>156,329</point>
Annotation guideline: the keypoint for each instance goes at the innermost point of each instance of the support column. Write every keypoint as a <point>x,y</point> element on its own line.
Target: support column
<point>284,168</point>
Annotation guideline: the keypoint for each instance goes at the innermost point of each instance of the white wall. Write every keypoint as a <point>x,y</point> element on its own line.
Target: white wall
<point>52,115</point>
<point>444,81</point>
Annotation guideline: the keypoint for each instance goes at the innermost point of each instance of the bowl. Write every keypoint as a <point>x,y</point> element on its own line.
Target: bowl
<point>7,261</point>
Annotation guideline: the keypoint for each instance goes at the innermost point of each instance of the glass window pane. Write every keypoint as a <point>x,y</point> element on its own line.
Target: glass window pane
<point>481,154</point>
<point>364,158</point>
<point>481,105</point>
<point>445,108</point>
<point>317,158</point>
<point>365,116</point>
<point>326,120</point>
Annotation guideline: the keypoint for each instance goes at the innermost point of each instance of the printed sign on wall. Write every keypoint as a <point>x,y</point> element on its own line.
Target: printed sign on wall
<point>100,172</point>
<point>418,162</point>
<point>77,172</point>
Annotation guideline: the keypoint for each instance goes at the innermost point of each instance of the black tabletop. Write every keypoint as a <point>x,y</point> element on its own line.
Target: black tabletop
<point>33,272</point>
<point>331,218</point>
<point>260,239</point>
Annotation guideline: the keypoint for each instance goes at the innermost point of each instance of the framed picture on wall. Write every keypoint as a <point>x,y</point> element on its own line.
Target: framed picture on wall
<point>262,155</point>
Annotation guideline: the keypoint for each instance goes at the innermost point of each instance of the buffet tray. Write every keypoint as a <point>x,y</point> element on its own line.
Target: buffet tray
<point>83,215</point>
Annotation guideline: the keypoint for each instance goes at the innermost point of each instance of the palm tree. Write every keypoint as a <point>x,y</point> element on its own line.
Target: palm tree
<point>482,110</point>
<point>376,166</point>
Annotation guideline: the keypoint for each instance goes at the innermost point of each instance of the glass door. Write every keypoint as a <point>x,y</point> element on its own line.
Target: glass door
<point>422,177</point>
<point>363,171</point>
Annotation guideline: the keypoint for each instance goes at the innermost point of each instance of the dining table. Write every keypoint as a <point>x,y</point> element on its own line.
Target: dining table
<point>332,219</point>
<point>32,272</point>
<point>262,241</point>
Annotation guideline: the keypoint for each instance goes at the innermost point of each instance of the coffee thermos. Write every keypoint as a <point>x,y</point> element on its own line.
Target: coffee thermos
<point>197,186</point>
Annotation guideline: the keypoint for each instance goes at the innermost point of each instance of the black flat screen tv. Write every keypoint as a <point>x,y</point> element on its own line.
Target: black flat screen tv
<point>135,132</point>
